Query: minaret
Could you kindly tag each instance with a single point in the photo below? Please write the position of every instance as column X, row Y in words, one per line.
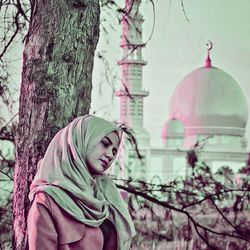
column 131, row 93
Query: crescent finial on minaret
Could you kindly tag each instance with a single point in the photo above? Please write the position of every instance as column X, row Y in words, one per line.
column 208, row 59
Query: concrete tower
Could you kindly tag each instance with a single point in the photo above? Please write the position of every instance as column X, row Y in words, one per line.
column 131, row 93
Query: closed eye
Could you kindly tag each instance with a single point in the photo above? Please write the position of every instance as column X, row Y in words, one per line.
column 105, row 144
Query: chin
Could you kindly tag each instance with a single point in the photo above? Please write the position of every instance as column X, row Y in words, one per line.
column 99, row 170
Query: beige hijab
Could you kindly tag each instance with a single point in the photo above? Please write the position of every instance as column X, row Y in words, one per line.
column 63, row 174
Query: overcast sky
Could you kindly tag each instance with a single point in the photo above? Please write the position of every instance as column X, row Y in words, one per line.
column 176, row 48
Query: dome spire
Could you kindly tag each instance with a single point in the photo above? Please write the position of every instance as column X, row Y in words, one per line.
column 208, row 60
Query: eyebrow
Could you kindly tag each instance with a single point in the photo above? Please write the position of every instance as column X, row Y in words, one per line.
column 111, row 143
column 108, row 140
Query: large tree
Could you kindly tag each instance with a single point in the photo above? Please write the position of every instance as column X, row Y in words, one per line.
column 55, row 88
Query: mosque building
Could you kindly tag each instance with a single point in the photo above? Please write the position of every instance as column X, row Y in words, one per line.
column 208, row 106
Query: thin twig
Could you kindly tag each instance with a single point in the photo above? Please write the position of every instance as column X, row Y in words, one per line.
column 184, row 11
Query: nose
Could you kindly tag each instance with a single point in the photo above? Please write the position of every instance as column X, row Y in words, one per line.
column 109, row 154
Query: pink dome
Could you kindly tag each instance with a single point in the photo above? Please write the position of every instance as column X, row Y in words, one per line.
column 209, row 101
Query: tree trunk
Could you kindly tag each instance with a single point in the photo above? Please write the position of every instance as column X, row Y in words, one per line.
column 56, row 87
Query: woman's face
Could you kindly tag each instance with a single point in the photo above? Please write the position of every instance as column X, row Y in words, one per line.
column 103, row 154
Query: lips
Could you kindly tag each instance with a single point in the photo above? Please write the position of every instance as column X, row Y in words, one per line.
column 105, row 163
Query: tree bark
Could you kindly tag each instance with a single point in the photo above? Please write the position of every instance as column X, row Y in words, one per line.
column 56, row 87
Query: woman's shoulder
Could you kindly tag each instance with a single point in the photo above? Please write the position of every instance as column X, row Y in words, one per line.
column 45, row 214
column 68, row 228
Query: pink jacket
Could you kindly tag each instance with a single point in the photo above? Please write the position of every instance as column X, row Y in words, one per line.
column 50, row 228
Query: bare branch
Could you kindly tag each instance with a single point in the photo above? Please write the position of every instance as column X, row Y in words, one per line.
column 12, row 37
column 184, row 11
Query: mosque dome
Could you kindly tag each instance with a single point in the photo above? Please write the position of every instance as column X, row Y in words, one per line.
column 209, row 101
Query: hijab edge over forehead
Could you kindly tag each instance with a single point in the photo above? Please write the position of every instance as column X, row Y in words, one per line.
column 98, row 132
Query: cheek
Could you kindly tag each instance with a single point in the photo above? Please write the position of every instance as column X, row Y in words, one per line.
column 96, row 153
column 88, row 160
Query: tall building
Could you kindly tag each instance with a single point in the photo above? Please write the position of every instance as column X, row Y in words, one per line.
column 131, row 93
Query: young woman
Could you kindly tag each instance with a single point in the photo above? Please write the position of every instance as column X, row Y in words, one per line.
column 74, row 205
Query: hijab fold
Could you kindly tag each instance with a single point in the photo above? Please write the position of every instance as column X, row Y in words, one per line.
column 63, row 175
